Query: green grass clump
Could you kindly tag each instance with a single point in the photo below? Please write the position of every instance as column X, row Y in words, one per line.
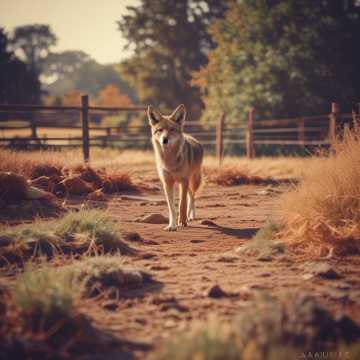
column 268, row 231
column 45, row 296
column 86, row 231
column 263, row 244
column 96, row 228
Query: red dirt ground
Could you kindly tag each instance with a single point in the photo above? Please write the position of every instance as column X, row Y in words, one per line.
column 187, row 263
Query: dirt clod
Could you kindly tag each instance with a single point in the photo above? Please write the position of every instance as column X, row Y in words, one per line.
column 216, row 292
column 153, row 219
column 322, row 270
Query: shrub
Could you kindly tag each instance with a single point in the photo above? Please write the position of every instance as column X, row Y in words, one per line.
column 322, row 214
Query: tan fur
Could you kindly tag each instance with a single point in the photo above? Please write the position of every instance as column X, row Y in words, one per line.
column 178, row 161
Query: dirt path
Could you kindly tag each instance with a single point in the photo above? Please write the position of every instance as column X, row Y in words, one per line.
column 187, row 263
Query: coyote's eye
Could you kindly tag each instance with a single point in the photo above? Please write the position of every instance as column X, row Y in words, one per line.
column 159, row 130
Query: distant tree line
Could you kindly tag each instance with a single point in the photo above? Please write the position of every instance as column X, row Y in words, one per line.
column 284, row 57
column 31, row 73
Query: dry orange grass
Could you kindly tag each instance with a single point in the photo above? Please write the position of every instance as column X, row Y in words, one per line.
column 322, row 215
column 231, row 176
column 64, row 167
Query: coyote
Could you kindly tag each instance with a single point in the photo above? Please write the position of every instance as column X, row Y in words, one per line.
column 178, row 159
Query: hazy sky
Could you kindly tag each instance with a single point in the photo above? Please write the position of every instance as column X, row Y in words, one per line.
column 88, row 25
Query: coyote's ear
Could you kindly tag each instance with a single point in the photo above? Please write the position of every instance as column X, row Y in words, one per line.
column 153, row 116
column 179, row 114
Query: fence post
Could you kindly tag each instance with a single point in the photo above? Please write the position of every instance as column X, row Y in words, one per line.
column 301, row 131
column 250, row 150
column 220, row 138
column 33, row 128
column 85, row 126
column 335, row 110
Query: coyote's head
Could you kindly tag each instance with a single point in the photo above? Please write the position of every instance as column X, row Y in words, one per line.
column 167, row 130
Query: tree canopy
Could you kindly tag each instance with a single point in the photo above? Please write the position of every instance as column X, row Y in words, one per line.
column 32, row 43
column 286, row 58
column 170, row 41
column 17, row 83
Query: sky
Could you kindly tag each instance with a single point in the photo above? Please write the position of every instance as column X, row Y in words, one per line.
column 87, row 25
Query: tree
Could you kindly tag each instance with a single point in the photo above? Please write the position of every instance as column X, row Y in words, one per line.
column 32, row 43
column 17, row 83
column 64, row 64
column 111, row 95
column 170, row 41
column 70, row 70
column 286, row 58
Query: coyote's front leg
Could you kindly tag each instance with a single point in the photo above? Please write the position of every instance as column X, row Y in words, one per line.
column 170, row 199
column 184, row 187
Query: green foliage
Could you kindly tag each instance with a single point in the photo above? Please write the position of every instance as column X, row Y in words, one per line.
column 268, row 231
column 69, row 70
column 45, row 296
column 17, row 83
column 34, row 43
column 77, row 232
column 93, row 225
column 170, row 41
column 286, row 58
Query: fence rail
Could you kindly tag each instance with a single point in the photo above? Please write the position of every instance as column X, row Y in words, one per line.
column 302, row 131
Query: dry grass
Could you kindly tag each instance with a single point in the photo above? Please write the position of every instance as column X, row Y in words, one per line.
column 278, row 168
column 64, row 173
column 49, row 132
column 138, row 162
column 267, row 329
column 322, row 214
column 230, row 176
column 109, row 160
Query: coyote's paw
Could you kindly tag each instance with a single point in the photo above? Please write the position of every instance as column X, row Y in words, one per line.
column 170, row 228
column 182, row 223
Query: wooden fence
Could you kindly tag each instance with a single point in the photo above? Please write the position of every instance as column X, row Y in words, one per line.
column 301, row 131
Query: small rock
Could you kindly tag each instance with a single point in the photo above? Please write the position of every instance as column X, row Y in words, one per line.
column 265, row 274
column 74, row 185
column 159, row 267
column 207, row 222
column 132, row 236
column 196, row 241
column 153, row 219
column 216, row 292
column 44, row 183
column 264, row 257
column 227, row 258
column 110, row 305
column 322, row 270
column 97, row 195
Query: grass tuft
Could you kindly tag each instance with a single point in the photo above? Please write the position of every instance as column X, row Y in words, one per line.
column 231, row 176
column 107, row 274
column 268, row 329
column 44, row 297
column 86, row 231
column 263, row 244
